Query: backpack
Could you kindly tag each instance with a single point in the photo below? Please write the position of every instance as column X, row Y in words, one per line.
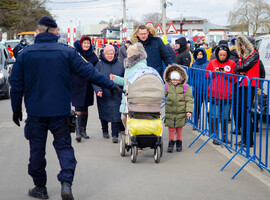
column 184, row 89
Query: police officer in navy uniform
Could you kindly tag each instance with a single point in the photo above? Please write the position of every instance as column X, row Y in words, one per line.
column 42, row 75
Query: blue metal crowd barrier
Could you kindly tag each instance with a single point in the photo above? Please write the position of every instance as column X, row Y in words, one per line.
column 235, row 108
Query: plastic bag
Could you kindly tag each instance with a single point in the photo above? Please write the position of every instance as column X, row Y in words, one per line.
column 145, row 126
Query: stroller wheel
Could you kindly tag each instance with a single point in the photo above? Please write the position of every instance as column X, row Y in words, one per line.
column 161, row 148
column 157, row 154
column 122, row 145
column 134, row 154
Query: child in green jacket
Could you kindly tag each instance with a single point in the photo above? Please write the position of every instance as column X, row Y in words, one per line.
column 179, row 104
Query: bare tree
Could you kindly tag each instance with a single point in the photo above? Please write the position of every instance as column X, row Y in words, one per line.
column 250, row 15
column 155, row 18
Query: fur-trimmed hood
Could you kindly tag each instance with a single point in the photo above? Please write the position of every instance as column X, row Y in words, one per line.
column 178, row 68
column 134, row 38
column 135, row 53
column 249, row 49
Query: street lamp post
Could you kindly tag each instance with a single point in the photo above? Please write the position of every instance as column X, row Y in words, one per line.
column 182, row 22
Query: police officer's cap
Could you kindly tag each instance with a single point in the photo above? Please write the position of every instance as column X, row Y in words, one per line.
column 47, row 21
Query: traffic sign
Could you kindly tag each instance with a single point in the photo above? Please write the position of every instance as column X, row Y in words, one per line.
column 171, row 29
column 159, row 30
column 149, row 23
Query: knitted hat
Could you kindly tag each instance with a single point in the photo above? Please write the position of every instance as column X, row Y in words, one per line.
column 47, row 21
column 224, row 42
column 175, row 76
column 108, row 48
column 232, row 42
column 84, row 38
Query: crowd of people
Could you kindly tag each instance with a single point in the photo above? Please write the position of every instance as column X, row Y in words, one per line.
column 47, row 69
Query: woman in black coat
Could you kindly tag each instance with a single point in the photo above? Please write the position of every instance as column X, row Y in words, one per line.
column 108, row 103
column 82, row 90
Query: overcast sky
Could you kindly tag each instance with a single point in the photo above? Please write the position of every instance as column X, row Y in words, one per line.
column 93, row 11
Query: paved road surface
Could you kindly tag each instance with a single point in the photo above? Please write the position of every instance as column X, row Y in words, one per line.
column 102, row 174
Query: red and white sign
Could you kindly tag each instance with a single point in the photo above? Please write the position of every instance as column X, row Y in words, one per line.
column 171, row 29
column 159, row 30
column 149, row 23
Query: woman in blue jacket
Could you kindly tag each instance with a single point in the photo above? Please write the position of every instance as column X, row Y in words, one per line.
column 108, row 102
column 199, row 84
column 82, row 90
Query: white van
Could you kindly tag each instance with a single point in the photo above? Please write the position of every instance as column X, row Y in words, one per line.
column 263, row 47
column 12, row 43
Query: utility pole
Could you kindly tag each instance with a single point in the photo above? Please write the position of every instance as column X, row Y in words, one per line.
column 164, row 5
column 124, row 12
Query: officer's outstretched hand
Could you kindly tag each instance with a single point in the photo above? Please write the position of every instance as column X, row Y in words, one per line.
column 117, row 89
column 17, row 117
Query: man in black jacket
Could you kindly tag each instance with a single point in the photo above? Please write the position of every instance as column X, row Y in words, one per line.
column 183, row 57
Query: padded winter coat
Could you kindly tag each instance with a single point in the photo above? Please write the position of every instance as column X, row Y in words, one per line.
column 108, row 104
column 178, row 104
column 82, row 93
column 220, row 82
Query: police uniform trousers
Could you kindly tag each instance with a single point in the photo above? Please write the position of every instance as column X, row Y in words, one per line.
column 36, row 131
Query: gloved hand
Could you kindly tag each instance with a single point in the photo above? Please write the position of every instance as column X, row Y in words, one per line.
column 117, row 89
column 17, row 117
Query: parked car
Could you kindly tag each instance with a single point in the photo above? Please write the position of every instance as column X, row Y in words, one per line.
column 6, row 64
column 12, row 43
column 263, row 47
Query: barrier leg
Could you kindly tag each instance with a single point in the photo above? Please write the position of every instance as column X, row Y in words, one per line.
column 212, row 136
column 202, row 133
column 231, row 159
column 226, row 148
column 257, row 163
column 252, row 157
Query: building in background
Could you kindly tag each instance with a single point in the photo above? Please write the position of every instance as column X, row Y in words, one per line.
column 200, row 27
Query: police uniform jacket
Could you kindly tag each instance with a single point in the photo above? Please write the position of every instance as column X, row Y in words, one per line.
column 42, row 74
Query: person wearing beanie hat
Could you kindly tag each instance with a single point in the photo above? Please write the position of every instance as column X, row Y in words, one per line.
column 108, row 104
column 221, row 42
column 175, row 76
column 108, row 48
column 41, row 76
column 47, row 21
column 179, row 104
column 82, row 93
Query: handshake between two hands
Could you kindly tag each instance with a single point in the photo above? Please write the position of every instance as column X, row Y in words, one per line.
column 116, row 88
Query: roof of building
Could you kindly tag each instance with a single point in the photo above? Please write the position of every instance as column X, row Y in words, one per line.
column 197, row 26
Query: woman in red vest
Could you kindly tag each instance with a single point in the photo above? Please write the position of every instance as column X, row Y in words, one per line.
column 248, row 65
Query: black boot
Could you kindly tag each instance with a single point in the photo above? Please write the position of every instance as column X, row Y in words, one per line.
column 78, row 128
column 224, row 133
column 83, row 129
column 38, row 192
column 216, row 129
column 178, row 145
column 171, row 146
column 66, row 192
